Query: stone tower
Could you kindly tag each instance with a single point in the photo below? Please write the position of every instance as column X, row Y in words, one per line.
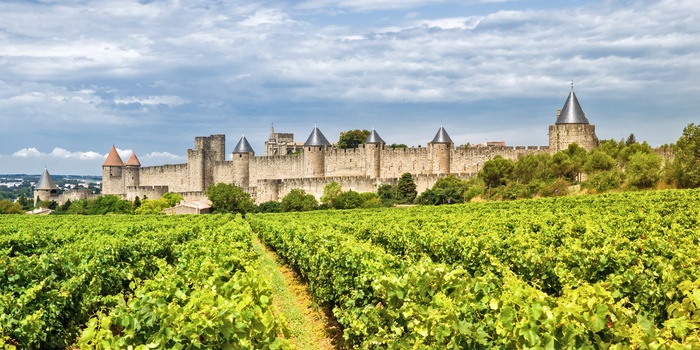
column 373, row 148
column 242, row 154
column 130, row 171
column 45, row 188
column 112, row 179
column 315, row 154
column 207, row 152
column 440, row 150
column 572, row 126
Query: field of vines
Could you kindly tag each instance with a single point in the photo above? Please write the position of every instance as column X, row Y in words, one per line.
column 615, row 271
column 119, row 282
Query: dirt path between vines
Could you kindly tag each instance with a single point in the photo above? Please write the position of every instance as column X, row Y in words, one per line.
column 311, row 326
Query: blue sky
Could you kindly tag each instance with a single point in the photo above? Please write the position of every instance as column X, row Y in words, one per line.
column 77, row 76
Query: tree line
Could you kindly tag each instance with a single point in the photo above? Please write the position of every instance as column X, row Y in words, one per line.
column 624, row 165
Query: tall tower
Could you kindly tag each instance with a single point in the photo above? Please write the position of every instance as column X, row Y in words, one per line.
column 315, row 154
column 131, row 171
column 241, row 162
column 373, row 148
column 45, row 188
column 112, row 179
column 572, row 126
column 440, row 150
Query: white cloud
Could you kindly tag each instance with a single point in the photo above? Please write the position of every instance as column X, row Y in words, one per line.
column 265, row 17
column 57, row 152
column 163, row 156
column 28, row 152
column 366, row 5
column 152, row 100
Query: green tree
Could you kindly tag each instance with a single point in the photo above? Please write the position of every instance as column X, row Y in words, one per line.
column 298, row 200
column 398, row 145
column 687, row 158
column 371, row 200
column 108, row 204
column 63, row 208
column 137, row 202
column 331, row 191
column 80, row 207
column 152, row 206
column 52, row 204
column 24, row 202
column 353, row 138
column 577, row 156
column 406, row 189
column 643, row 170
column 387, row 194
column 348, row 200
column 446, row 190
column 496, row 171
column 597, row 161
column 173, row 199
column 526, row 168
column 229, row 198
column 605, row 180
column 611, row 148
column 630, row 140
column 270, row 207
column 9, row 207
column 561, row 166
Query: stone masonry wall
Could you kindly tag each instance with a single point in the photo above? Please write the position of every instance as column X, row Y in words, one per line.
column 175, row 176
column 346, row 162
column 275, row 167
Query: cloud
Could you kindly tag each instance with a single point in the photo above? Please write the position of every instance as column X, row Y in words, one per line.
column 152, row 100
column 88, row 74
column 28, row 152
column 163, row 156
column 33, row 152
column 366, row 5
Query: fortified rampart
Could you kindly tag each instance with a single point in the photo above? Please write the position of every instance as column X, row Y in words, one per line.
column 318, row 163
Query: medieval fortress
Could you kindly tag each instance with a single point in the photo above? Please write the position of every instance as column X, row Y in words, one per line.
column 310, row 166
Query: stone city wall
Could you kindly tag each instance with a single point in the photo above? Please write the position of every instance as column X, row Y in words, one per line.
column 346, row 162
column 397, row 161
column 174, row 176
column 472, row 159
column 276, row 167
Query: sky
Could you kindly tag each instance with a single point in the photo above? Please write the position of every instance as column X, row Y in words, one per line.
column 78, row 76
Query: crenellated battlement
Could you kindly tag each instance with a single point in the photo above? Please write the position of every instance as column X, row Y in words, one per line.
column 360, row 169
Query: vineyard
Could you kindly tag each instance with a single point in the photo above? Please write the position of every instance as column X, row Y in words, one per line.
column 611, row 271
column 119, row 282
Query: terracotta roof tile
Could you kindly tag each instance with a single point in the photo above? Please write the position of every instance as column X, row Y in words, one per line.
column 113, row 158
column 133, row 160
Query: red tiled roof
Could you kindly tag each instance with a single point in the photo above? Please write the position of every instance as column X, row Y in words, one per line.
column 133, row 161
column 113, row 158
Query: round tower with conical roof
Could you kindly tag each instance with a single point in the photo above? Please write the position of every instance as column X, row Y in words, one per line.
column 241, row 156
column 314, row 154
column 572, row 126
column 440, row 150
column 45, row 188
column 373, row 148
column 130, row 172
column 112, row 179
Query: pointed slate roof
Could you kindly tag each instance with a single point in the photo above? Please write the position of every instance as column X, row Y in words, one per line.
column 113, row 158
column 374, row 137
column 45, row 182
column 243, row 146
column 572, row 113
column 316, row 139
column 441, row 137
column 133, row 160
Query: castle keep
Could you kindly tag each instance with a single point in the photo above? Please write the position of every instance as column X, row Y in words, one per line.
column 315, row 163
